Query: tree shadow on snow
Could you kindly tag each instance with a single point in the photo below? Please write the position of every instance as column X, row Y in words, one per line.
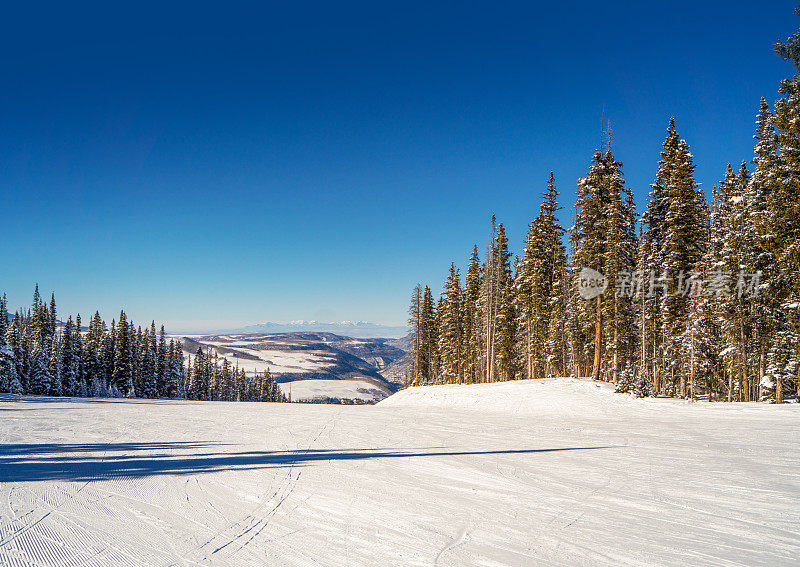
column 99, row 461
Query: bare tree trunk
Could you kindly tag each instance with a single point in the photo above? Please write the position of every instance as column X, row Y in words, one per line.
column 745, row 378
column 691, row 368
column 644, row 335
column 615, row 370
column 530, row 356
column 598, row 339
column 683, row 385
column 730, row 387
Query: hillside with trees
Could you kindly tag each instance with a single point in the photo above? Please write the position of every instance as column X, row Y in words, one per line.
column 701, row 300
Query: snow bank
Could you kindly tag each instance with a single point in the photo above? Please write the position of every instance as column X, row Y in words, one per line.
column 563, row 396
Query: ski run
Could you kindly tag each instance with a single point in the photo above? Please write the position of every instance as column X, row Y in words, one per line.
column 532, row 472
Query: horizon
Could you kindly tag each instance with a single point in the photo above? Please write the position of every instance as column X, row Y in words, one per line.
column 277, row 164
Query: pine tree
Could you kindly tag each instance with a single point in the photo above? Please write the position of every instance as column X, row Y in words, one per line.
column 52, row 319
column 123, row 363
column 734, row 256
column 557, row 283
column 789, row 50
column 590, row 251
column 699, row 345
column 539, row 290
column 429, row 339
column 199, row 385
column 6, row 351
column 39, row 381
column 451, row 329
column 3, row 318
column 620, row 258
column 69, row 359
column 472, row 320
column 415, row 324
column 531, row 292
column 684, row 236
column 148, row 366
column 778, row 172
column 161, row 362
column 491, row 292
column 764, row 307
column 173, row 388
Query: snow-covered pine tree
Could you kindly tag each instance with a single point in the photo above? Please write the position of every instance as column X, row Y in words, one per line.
column 92, row 348
column 490, row 303
column 77, row 356
column 734, row 241
column 473, row 368
column 123, row 363
column 557, row 283
column 429, row 340
column 69, row 359
column 436, row 364
column 699, row 344
column 39, row 380
column 619, row 332
column 531, row 294
column 52, row 318
column 451, row 331
column 499, row 296
column 684, row 239
column 162, row 368
column 575, row 314
column 175, row 387
column 763, row 305
column 415, row 324
column 590, row 235
column 54, row 367
column 148, row 379
column 21, row 353
column 199, row 376
column 6, row 352
column 778, row 154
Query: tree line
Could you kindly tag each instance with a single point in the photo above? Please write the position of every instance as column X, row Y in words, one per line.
column 688, row 299
column 43, row 356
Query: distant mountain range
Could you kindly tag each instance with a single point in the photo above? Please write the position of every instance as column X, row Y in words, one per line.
column 355, row 329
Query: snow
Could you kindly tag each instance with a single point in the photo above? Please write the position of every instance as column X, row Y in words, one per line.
column 276, row 361
column 307, row 390
column 548, row 472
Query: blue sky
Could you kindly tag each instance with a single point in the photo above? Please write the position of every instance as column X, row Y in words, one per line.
column 214, row 164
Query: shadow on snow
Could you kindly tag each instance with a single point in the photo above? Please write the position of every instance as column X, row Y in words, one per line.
column 98, row 461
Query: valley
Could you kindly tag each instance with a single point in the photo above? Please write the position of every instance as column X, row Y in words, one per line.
column 312, row 366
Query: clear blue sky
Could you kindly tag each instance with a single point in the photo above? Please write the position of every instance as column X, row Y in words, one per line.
column 215, row 163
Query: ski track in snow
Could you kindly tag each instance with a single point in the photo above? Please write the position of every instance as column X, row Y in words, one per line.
column 547, row 472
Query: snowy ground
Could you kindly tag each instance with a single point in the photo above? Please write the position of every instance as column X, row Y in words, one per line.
column 551, row 472
column 361, row 391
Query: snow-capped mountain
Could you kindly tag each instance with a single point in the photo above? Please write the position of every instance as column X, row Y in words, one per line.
column 357, row 329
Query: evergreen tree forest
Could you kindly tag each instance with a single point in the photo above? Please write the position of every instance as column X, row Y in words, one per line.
column 702, row 299
column 44, row 356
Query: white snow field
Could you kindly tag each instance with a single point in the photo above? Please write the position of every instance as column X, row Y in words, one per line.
column 352, row 390
column 547, row 472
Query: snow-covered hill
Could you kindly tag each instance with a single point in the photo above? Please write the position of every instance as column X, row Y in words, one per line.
column 309, row 366
column 549, row 472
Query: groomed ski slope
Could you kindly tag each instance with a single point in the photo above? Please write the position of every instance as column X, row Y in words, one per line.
column 549, row 472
